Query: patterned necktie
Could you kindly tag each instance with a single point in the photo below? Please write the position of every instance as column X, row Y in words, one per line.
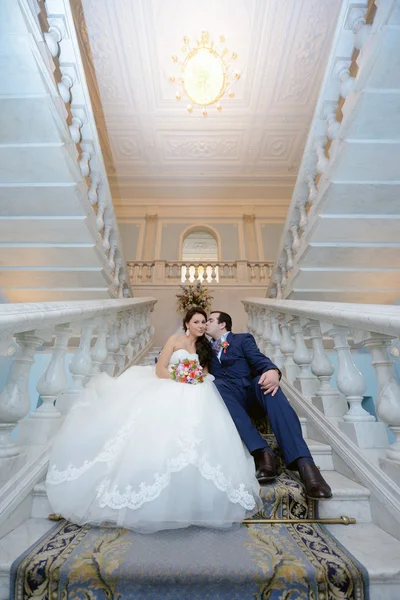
column 216, row 346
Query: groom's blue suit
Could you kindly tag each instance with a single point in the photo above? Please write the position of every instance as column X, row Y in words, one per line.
column 236, row 377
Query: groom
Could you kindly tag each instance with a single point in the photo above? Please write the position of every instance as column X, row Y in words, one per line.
column 243, row 375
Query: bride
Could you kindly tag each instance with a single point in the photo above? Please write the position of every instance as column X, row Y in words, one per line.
column 145, row 452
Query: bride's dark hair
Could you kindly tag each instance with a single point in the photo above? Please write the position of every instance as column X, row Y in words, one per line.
column 202, row 344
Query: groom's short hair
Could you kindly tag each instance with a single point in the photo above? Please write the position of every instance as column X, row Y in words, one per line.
column 224, row 318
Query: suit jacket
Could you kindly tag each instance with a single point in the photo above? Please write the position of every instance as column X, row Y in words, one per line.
column 241, row 362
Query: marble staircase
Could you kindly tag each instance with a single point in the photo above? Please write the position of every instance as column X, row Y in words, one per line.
column 377, row 550
column 340, row 241
column 59, row 237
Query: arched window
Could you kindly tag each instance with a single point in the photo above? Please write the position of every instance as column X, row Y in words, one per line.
column 199, row 246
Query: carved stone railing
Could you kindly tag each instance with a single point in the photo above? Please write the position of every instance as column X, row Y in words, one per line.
column 225, row 273
column 280, row 328
column 57, row 52
column 103, row 335
column 356, row 23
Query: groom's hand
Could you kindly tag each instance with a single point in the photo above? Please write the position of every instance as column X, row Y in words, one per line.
column 269, row 382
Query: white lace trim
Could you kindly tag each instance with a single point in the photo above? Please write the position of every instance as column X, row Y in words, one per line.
column 129, row 498
column 115, row 499
column 107, row 455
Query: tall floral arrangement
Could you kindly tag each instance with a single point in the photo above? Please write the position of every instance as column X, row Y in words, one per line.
column 194, row 295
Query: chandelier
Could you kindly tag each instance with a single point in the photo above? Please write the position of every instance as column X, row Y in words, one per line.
column 206, row 73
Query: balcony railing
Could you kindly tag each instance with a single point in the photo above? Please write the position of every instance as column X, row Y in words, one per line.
column 225, row 273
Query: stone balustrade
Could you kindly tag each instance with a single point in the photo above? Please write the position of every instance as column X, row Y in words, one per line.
column 53, row 32
column 102, row 335
column 349, row 50
column 162, row 272
column 299, row 336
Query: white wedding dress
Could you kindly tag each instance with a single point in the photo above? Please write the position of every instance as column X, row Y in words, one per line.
column 148, row 454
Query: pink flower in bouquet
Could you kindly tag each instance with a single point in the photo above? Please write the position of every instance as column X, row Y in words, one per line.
column 187, row 371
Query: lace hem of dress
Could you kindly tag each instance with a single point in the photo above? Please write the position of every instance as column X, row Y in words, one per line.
column 114, row 499
column 107, row 455
column 129, row 498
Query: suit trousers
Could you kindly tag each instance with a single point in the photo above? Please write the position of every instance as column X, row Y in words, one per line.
column 284, row 421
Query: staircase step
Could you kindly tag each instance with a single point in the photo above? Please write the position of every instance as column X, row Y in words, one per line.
column 378, row 551
column 14, row 544
column 349, row 499
column 322, row 454
column 375, row 549
column 40, row 506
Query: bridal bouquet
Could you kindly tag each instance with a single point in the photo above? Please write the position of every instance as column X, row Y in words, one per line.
column 187, row 371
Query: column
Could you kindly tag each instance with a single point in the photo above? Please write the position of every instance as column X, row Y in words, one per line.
column 150, row 236
column 250, row 236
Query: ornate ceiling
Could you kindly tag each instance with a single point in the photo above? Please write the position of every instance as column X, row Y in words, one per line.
column 153, row 148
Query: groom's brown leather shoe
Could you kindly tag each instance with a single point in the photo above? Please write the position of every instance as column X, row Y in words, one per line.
column 267, row 466
column 314, row 484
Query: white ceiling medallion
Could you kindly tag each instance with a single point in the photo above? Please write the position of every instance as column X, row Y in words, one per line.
column 206, row 72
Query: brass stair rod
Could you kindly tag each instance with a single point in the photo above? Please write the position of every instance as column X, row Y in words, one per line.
column 333, row 521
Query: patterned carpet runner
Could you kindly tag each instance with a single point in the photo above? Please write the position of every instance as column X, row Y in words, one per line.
column 256, row 562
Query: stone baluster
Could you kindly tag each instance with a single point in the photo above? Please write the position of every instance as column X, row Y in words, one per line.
column 290, row 369
column 84, row 163
column 288, row 250
column 53, row 382
column 15, row 401
column 80, row 368
column 312, row 190
column 120, row 357
column 122, row 281
column 301, row 206
column 118, row 265
column 54, row 35
column 75, row 129
column 94, row 184
column 268, row 348
column 259, row 326
column 360, row 28
column 295, row 236
column 346, row 80
column 387, row 402
column 132, row 334
column 357, row 424
column 107, row 232
column 262, row 269
column 278, row 279
column 282, row 266
column 101, row 207
column 99, row 350
column 196, row 272
column 112, row 348
column 113, row 249
column 252, row 272
column 64, row 87
column 326, row 399
column 305, row 382
column 333, row 123
column 214, row 269
column 323, row 161
column 277, row 356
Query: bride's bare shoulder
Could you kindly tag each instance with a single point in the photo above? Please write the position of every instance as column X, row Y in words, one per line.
column 174, row 340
